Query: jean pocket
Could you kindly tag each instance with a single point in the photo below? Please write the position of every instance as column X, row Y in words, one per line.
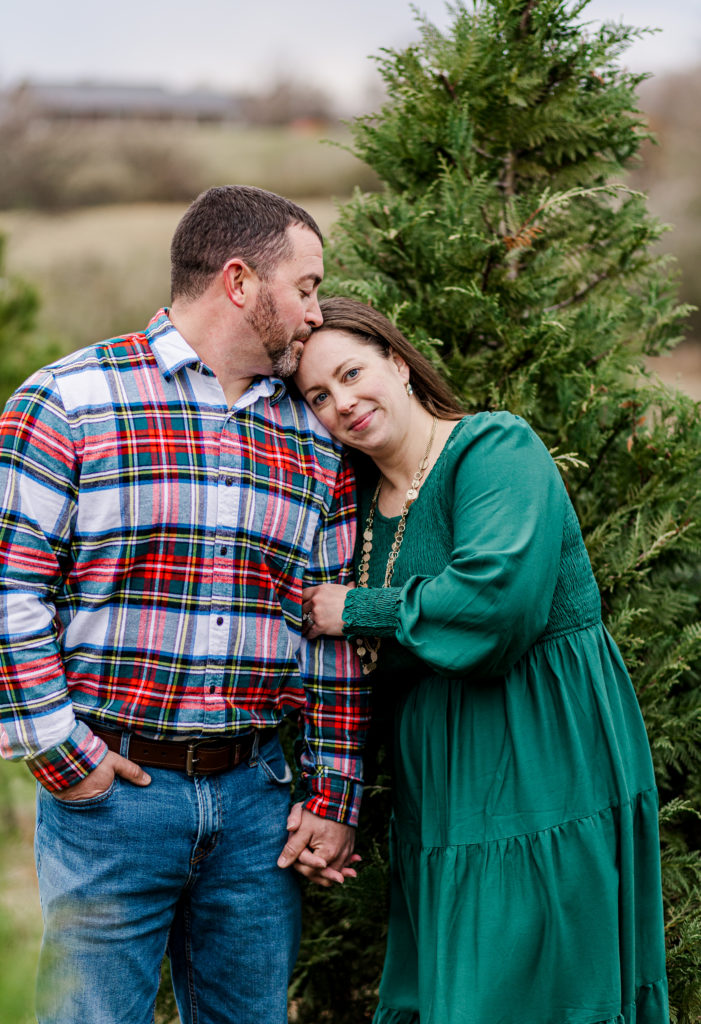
column 91, row 801
column 274, row 766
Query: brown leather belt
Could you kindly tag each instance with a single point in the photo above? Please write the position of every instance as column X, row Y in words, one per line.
column 195, row 757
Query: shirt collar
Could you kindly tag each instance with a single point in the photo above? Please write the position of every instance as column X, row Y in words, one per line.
column 172, row 354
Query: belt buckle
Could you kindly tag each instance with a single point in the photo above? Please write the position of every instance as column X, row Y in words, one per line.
column 191, row 759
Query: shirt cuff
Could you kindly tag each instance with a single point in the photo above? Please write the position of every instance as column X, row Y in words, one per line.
column 371, row 611
column 333, row 796
column 70, row 762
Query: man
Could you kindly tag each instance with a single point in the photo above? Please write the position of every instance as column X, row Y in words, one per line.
column 164, row 500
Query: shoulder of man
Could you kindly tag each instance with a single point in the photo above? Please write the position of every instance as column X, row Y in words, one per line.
column 99, row 353
column 73, row 373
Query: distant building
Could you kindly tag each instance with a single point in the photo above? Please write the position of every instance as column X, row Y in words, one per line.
column 94, row 101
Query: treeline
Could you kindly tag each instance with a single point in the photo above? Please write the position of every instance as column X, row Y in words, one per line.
column 50, row 162
column 54, row 165
column 62, row 148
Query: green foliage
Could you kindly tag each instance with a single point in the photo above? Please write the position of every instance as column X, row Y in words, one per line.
column 348, row 944
column 506, row 247
column 19, row 911
column 21, row 352
column 345, row 928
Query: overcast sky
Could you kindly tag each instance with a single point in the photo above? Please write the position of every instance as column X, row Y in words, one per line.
column 230, row 45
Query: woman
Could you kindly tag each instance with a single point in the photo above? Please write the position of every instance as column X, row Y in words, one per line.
column 524, row 845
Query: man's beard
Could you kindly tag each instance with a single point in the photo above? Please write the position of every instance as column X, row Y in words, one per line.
column 264, row 318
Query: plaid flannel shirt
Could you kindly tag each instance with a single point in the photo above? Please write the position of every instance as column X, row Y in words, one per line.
column 153, row 548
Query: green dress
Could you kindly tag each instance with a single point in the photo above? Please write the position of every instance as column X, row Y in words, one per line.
column 524, row 842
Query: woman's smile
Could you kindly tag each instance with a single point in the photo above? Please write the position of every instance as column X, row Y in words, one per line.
column 362, row 422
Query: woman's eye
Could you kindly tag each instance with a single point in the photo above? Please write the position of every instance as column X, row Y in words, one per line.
column 351, row 374
column 320, row 398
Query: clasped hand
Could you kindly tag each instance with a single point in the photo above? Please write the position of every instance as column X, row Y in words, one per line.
column 325, row 605
column 319, row 848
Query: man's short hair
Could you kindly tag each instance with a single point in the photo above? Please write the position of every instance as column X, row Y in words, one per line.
column 232, row 221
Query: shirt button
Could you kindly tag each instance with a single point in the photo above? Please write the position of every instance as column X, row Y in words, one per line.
column 219, row 620
column 228, row 481
column 224, row 550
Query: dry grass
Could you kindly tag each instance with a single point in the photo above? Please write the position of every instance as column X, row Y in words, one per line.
column 105, row 270
column 299, row 161
column 681, row 369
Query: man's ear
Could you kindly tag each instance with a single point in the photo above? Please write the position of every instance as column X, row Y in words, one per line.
column 237, row 277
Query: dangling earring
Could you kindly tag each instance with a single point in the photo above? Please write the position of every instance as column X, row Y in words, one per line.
column 409, row 389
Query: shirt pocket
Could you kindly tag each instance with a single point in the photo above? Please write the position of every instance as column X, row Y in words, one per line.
column 291, row 505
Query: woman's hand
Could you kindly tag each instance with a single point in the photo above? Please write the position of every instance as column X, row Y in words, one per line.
column 322, row 610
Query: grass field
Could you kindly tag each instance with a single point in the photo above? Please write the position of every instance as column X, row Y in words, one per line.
column 104, row 270
column 64, row 165
column 98, row 252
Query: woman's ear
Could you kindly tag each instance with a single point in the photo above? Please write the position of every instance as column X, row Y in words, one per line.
column 402, row 366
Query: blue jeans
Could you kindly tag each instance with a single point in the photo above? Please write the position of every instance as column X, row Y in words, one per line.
column 187, row 864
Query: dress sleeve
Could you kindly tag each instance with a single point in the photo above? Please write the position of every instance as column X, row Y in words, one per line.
column 492, row 600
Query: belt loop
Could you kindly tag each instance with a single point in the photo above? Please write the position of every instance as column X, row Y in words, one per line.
column 124, row 736
column 124, row 741
column 253, row 759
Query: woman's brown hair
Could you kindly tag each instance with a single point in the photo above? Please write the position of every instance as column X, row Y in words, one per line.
column 372, row 328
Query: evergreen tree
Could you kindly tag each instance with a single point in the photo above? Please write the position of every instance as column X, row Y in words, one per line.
column 505, row 246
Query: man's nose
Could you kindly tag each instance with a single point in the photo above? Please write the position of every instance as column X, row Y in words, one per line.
column 313, row 315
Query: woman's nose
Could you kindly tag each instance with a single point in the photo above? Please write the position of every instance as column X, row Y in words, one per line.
column 345, row 401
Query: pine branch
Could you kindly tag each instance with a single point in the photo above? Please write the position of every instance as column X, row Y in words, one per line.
column 524, row 23
column 580, row 295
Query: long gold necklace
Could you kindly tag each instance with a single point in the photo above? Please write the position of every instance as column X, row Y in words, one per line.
column 368, row 648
